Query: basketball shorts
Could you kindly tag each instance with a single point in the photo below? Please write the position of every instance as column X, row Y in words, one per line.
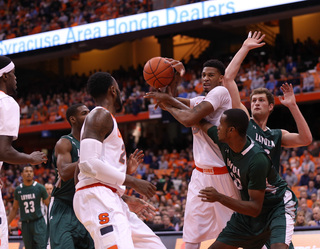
column 66, row 231
column 276, row 226
column 205, row 220
column 34, row 234
column 3, row 226
column 110, row 222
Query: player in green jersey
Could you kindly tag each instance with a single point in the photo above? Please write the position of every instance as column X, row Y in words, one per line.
column 27, row 198
column 267, row 208
column 65, row 230
column 262, row 104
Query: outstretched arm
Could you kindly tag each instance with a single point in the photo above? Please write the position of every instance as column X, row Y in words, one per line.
column 181, row 112
column 10, row 155
column 232, row 70
column 252, row 207
column 304, row 136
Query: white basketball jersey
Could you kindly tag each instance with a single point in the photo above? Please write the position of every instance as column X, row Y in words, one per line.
column 206, row 153
column 9, row 117
column 113, row 152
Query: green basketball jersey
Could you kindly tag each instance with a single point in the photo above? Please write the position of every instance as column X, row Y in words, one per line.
column 29, row 198
column 252, row 169
column 270, row 141
column 67, row 189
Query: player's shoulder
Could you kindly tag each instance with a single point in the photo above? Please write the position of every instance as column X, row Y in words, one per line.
column 219, row 91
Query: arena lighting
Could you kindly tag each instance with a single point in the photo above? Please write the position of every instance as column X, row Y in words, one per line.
column 142, row 21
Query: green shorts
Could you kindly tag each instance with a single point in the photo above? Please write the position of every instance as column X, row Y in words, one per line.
column 65, row 229
column 34, row 234
column 274, row 226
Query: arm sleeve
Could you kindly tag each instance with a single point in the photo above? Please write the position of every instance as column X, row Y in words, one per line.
column 259, row 168
column 218, row 97
column 213, row 134
column 10, row 117
column 92, row 166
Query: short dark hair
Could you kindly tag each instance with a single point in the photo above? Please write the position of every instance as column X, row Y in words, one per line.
column 99, row 84
column 262, row 90
column 238, row 119
column 216, row 64
column 27, row 166
column 72, row 111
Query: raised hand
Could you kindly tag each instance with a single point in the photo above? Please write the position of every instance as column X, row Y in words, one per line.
column 254, row 40
column 134, row 160
column 288, row 97
column 177, row 65
column 38, row 157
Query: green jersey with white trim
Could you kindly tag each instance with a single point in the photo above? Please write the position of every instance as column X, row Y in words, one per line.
column 270, row 141
column 252, row 169
column 29, row 198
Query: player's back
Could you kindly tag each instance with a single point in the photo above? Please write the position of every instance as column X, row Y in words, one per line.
column 113, row 153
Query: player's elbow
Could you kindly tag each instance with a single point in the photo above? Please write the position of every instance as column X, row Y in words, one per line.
column 255, row 212
column 307, row 140
column 188, row 121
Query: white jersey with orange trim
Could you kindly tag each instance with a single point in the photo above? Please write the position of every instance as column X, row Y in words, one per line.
column 206, row 153
column 113, row 152
column 9, row 117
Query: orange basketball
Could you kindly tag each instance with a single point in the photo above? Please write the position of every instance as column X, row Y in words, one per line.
column 158, row 72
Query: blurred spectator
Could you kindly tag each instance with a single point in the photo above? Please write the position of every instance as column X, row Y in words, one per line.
column 304, row 179
column 311, row 189
column 300, row 219
column 303, row 206
column 307, row 164
column 271, row 84
column 163, row 163
column 308, row 82
column 168, row 226
column 257, row 81
column 291, row 178
column 316, row 217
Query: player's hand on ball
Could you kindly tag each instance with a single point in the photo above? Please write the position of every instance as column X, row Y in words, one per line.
column 134, row 160
column 177, row 65
column 209, row 194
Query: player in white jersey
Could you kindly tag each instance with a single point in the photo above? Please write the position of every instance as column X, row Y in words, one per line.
column 99, row 202
column 9, row 128
column 203, row 221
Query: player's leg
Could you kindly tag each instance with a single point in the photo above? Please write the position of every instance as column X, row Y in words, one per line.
column 27, row 235
column 142, row 236
column 282, row 222
column 39, row 233
column 80, row 235
column 3, row 225
column 189, row 245
column 60, row 226
column 100, row 211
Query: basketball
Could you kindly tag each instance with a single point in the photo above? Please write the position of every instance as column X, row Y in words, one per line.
column 158, row 72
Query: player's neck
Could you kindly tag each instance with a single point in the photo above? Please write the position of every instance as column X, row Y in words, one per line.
column 262, row 122
column 237, row 144
column 27, row 183
column 76, row 133
column 107, row 104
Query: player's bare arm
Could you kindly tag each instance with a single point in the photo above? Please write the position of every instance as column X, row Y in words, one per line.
column 232, row 70
column 191, row 116
column 304, row 136
column 66, row 167
column 171, row 89
column 10, row 155
column 99, row 124
column 167, row 99
column 134, row 160
column 13, row 212
column 251, row 208
column 204, row 125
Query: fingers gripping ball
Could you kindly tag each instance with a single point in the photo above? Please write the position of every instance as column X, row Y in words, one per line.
column 158, row 72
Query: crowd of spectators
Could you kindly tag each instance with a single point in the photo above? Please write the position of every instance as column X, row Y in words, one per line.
column 21, row 18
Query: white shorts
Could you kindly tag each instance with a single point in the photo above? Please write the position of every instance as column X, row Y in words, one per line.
column 4, row 244
column 109, row 221
column 205, row 220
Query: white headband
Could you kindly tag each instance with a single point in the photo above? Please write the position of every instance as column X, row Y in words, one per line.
column 7, row 68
